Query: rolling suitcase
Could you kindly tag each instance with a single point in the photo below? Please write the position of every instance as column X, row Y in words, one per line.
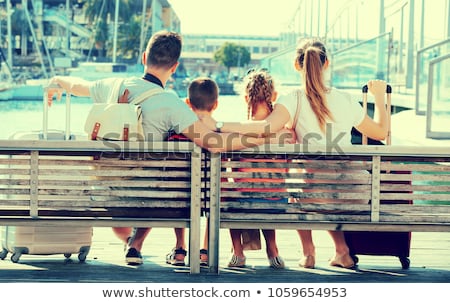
column 46, row 240
column 374, row 242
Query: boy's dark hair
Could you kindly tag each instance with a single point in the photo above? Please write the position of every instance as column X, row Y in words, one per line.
column 163, row 49
column 203, row 93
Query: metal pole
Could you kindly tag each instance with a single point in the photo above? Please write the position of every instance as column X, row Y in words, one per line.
column 410, row 62
column 304, row 19
column 311, row 19
column 356, row 23
column 422, row 25
column 116, row 25
column 380, row 44
column 348, row 26
column 318, row 18
column 400, row 47
column 9, row 33
column 448, row 19
column 326, row 17
column 143, row 22
column 68, row 33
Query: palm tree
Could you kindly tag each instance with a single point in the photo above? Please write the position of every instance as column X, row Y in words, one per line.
column 129, row 38
column 100, row 15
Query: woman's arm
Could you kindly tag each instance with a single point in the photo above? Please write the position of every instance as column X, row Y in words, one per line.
column 271, row 125
column 378, row 127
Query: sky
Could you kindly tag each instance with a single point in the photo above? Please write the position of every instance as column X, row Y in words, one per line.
column 259, row 17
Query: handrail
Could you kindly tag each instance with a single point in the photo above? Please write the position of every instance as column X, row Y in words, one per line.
column 419, row 69
column 430, row 133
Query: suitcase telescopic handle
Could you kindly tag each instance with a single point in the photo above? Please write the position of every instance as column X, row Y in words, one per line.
column 45, row 113
column 365, row 89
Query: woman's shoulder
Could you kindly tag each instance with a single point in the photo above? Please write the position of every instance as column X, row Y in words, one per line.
column 289, row 93
column 338, row 94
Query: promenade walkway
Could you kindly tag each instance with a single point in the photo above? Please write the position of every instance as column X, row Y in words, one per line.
column 430, row 263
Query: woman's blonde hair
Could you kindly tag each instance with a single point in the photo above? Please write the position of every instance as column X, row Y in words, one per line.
column 260, row 89
column 311, row 58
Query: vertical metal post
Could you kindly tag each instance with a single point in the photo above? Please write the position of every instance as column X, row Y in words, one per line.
column 68, row 32
column 410, row 58
column 400, row 47
column 318, row 18
column 311, row 19
column 448, row 20
column 9, row 34
column 326, row 17
column 143, row 22
column 422, row 25
column 116, row 25
column 381, row 45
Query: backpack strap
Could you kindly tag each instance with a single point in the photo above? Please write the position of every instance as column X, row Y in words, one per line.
column 147, row 94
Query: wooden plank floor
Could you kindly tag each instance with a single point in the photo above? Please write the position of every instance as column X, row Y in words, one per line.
column 430, row 262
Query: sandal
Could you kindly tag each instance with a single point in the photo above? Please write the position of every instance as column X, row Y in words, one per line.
column 203, row 257
column 307, row 262
column 276, row 262
column 237, row 261
column 171, row 258
column 345, row 261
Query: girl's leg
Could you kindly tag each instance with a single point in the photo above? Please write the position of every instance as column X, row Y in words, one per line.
column 271, row 244
column 123, row 233
column 236, row 241
column 275, row 260
column 238, row 258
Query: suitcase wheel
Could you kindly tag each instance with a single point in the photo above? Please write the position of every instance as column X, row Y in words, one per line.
column 405, row 262
column 67, row 256
column 82, row 256
column 84, row 250
column 355, row 259
column 3, row 254
column 15, row 257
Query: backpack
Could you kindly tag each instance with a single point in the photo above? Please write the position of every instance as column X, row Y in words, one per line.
column 118, row 121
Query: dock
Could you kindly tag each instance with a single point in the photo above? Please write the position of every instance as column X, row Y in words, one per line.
column 429, row 256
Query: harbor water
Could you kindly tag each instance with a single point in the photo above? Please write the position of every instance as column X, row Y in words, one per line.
column 23, row 116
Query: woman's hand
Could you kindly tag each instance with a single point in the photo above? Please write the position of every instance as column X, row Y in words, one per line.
column 378, row 89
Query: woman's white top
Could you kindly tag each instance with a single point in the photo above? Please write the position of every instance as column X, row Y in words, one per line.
column 346, row 113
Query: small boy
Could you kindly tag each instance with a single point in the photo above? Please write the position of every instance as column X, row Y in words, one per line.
column 203, row 94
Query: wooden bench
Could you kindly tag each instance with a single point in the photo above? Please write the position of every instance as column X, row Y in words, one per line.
column 167, row 184
column 349, row 178
column 110, row 184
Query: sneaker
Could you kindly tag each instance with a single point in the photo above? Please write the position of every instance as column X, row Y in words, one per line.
column 203, row 257
column 130, row 239
column 133, row 257
column 171, row 258
column 237, row 261
column 276, row 263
